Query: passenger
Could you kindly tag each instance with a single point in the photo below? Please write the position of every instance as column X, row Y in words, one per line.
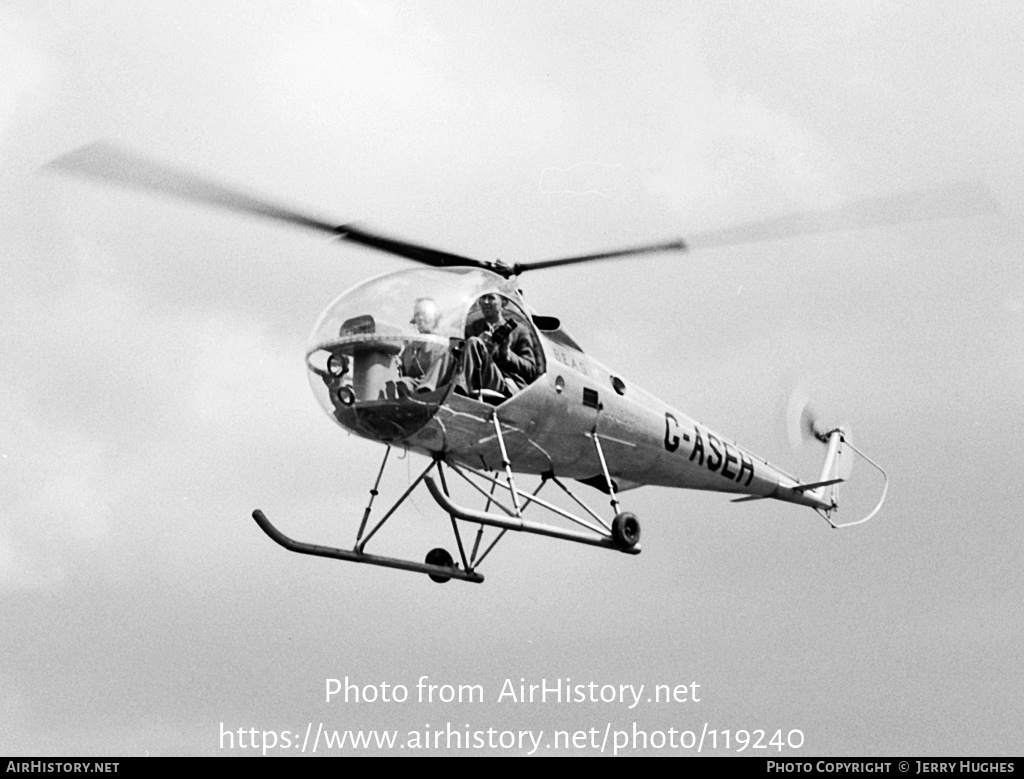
column 498, row 349
column 421, row 363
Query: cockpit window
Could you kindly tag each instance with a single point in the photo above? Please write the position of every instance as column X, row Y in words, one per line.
column 502, row 354
column 387, row 353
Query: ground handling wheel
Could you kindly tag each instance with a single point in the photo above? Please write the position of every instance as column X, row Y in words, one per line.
column 626, row 530
column 439, row 557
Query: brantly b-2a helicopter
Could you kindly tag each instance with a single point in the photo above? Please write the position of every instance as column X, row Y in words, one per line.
column 488, row 389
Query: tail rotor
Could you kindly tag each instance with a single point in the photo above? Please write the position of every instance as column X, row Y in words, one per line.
column 805, row 424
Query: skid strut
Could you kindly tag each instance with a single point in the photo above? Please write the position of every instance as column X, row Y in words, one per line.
column 622, row 535
column 525, row 525
column 439, row 566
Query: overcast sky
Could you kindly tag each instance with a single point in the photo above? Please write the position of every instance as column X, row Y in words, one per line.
column 152, row 389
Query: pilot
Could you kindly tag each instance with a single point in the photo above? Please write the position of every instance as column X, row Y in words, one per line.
column 498, row 350
column 421, row 363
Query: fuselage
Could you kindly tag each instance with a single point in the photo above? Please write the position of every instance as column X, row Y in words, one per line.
column 359, row 370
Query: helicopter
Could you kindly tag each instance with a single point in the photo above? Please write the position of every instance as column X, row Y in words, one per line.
column 562, row 416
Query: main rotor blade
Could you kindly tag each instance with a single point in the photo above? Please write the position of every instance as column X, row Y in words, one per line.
column 411, row 251
column 104, row 161
column 962, row 199
column 677, row 245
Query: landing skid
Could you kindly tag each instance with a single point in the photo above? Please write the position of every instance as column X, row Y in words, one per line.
column 512, row 522
column 439, row 573
column 621, row 535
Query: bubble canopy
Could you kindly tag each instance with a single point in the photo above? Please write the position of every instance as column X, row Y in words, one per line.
column 379, row 358
column 391, row 299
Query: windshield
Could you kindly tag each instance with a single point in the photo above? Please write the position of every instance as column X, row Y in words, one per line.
column 383, row 356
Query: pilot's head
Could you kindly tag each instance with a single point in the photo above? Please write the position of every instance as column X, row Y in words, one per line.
column 490, row 307
column 425, row 315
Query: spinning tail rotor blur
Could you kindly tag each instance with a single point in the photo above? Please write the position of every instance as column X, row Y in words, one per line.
column 805, row 424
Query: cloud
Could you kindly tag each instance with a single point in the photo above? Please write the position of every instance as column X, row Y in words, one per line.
column 26, row 74
column 738, row 158
column 21, row 570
